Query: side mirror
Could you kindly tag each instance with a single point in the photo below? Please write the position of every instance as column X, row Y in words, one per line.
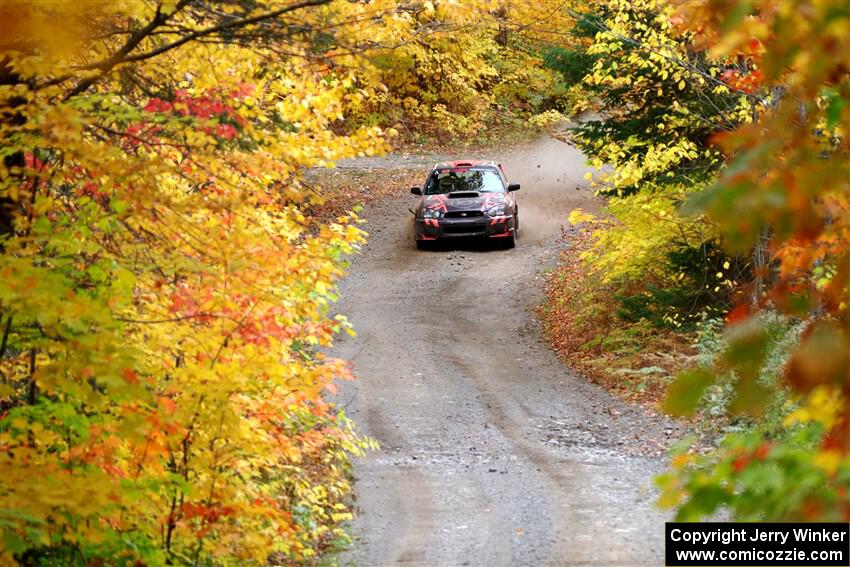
column 513, row 187
column 416, row 190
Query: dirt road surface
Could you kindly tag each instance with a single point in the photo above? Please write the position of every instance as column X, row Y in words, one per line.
column 492, row 452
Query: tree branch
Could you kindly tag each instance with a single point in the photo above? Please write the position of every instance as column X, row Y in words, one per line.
column 119, row 56
column 221, row 27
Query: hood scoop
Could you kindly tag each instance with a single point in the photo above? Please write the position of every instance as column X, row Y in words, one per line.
column 464, row 194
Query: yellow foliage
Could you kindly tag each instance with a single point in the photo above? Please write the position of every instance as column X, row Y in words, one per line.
column 823, row 404
column 163, row 296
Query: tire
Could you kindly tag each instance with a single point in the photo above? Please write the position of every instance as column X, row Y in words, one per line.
column 423, row 245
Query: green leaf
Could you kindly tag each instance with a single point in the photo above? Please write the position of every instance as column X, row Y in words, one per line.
column 685, row 392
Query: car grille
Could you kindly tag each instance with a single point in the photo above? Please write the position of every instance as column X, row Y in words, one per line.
column 463, row 214
column 464, row 229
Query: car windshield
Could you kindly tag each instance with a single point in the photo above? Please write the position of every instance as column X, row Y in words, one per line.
column 461, row 180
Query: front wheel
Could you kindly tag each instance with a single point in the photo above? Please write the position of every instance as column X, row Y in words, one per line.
column 423, row 245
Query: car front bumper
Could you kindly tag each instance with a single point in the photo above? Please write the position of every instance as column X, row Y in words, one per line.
column 489, row 227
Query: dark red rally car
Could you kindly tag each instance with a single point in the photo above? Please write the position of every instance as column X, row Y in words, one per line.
column 466, row 199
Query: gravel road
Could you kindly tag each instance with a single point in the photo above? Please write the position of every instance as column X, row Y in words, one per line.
column 492, row 452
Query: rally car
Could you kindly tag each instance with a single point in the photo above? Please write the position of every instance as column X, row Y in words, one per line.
column 466, row 199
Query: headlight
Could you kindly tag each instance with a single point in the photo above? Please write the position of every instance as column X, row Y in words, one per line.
column 497, row 211
column 431, row 214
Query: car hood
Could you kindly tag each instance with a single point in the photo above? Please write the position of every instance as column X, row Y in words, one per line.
column 479, row 202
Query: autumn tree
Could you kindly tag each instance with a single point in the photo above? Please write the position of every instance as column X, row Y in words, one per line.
column 787, row 182
column 723, row 127
column 162, row 295
column 660, row 100
column 471, row 68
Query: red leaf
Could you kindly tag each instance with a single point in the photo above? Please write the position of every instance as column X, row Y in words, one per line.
column 739, row 464
column 130, row 376
column 738, row 314
column 168, row 404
